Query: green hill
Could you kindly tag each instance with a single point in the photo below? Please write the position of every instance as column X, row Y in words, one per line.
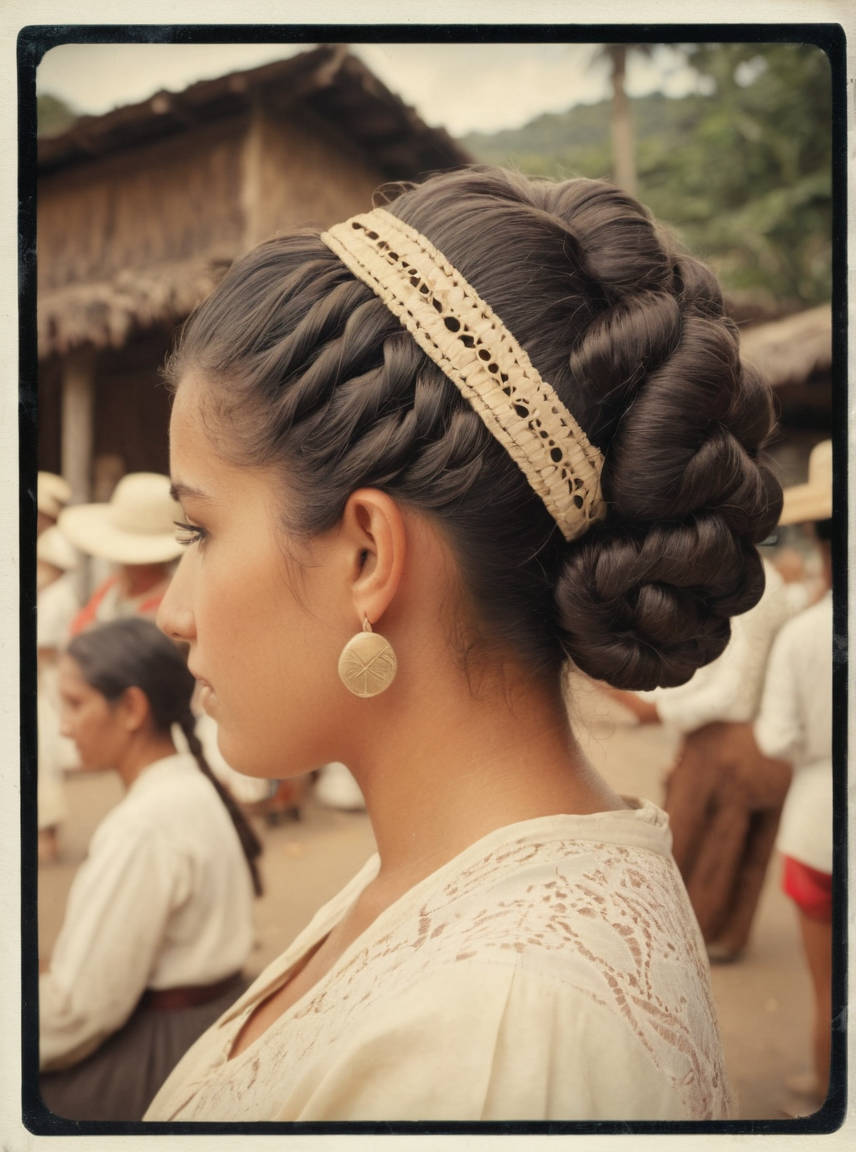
column 743, row 177
column 577, row 142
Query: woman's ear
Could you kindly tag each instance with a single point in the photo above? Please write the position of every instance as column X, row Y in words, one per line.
column 374, row 530
column 135, row 709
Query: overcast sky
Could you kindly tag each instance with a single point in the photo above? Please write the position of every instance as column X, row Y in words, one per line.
column 459, row 86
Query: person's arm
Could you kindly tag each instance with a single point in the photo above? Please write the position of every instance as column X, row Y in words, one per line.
column 117, row 909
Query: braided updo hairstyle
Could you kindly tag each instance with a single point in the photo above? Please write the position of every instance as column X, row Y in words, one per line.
column 306, row 368
column 133, row 652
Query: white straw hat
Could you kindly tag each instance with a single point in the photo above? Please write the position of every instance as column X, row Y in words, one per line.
column 52, row 547
column 136, row 526
column 52, row 493
column 812, row 501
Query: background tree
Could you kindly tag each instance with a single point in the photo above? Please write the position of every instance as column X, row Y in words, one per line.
column 53, row 115
column 742, row 173
column 621, row 126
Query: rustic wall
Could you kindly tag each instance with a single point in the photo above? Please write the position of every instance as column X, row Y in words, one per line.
column 301, row 171
column 131, row 417
column 165, row 200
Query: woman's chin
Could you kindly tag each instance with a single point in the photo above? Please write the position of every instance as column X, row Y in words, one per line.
column 244, row 761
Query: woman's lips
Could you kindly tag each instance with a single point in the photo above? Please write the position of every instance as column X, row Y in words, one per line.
column 206, row 695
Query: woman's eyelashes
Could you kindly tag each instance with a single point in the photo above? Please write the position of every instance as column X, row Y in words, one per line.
column 187, row 534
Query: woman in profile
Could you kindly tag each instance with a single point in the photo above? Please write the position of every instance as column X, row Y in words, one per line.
column 159, row 918
column 425, row 459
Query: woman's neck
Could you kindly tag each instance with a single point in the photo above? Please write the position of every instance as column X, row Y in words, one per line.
column 436, row 779
column 141, row 753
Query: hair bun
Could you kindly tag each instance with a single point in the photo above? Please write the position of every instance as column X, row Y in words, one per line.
column 646, row 609
column 645, row 598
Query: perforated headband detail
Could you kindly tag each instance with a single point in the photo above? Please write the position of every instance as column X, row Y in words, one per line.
column 465, row 338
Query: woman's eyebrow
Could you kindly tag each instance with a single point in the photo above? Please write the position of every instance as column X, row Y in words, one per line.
column 179, row 491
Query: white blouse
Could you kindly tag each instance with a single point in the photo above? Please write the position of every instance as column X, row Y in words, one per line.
column 163, row 899
column 795, row 724
column 552, row 970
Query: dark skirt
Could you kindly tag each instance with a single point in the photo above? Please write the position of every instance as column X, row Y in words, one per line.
column 119, row 1080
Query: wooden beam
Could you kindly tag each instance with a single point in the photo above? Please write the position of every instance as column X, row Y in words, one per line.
column 77, row 434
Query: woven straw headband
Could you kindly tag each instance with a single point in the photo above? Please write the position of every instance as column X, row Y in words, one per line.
column 460, row 332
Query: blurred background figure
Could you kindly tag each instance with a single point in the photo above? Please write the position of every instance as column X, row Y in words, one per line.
column 790, row 563
column 135, row 531
column 159, row 918
column 723, row 797
column 795, row 724
column 53, row 493
column 56, row 605
column 335, row 787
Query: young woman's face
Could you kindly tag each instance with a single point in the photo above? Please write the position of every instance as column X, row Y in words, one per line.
column 264, row 637
column 89, row 719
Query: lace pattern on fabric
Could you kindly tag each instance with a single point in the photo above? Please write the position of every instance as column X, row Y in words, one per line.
column 460, row 332
column 609, row 923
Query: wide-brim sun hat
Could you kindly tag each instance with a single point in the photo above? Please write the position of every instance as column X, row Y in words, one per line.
column 812, row 501
column 136, row 526
column 52, row 547
column 52, row 493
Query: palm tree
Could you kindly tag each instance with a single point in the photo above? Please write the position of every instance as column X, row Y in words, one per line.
column 623, row 147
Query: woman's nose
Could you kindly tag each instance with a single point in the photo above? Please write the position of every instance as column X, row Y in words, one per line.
column 175, row 615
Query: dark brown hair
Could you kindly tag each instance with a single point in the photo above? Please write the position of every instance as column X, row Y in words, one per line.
column 133, row 652
column 307, row 368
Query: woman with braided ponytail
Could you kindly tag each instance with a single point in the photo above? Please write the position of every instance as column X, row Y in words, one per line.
column 159, row 917
column 426, row 458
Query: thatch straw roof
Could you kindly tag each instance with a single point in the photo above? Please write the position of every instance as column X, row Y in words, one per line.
column 790, row 350
column 327, row 83
column 106, row 314
column 334, row 83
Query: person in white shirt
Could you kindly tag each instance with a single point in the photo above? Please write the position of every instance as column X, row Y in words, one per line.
column 56, row 605
column 795, row 724
column 159, row 917
column 415, row 482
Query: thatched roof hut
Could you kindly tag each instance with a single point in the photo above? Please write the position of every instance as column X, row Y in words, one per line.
column 792, row 350
column 794, row 354
column 142, row 209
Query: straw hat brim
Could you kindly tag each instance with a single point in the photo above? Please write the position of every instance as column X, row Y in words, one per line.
column 806, row 503
column 88, row 526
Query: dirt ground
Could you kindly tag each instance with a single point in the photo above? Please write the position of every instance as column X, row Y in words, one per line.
column 763, row 999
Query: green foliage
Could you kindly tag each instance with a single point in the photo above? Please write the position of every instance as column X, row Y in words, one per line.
column 53, row 115
column 743, row 176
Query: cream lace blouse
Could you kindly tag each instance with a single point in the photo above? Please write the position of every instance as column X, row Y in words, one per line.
column 552, row 970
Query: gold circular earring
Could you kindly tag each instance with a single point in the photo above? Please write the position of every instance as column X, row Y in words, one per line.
column 367, row 665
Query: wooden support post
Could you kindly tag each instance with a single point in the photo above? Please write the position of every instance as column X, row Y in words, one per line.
column 77, row 431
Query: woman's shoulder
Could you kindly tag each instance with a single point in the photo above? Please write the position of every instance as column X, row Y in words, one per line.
column 594, row 902
column 557, row 882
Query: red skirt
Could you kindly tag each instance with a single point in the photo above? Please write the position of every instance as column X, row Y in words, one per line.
column 809, row 889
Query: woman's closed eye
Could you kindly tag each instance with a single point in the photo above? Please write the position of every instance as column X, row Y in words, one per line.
column 187, row 534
